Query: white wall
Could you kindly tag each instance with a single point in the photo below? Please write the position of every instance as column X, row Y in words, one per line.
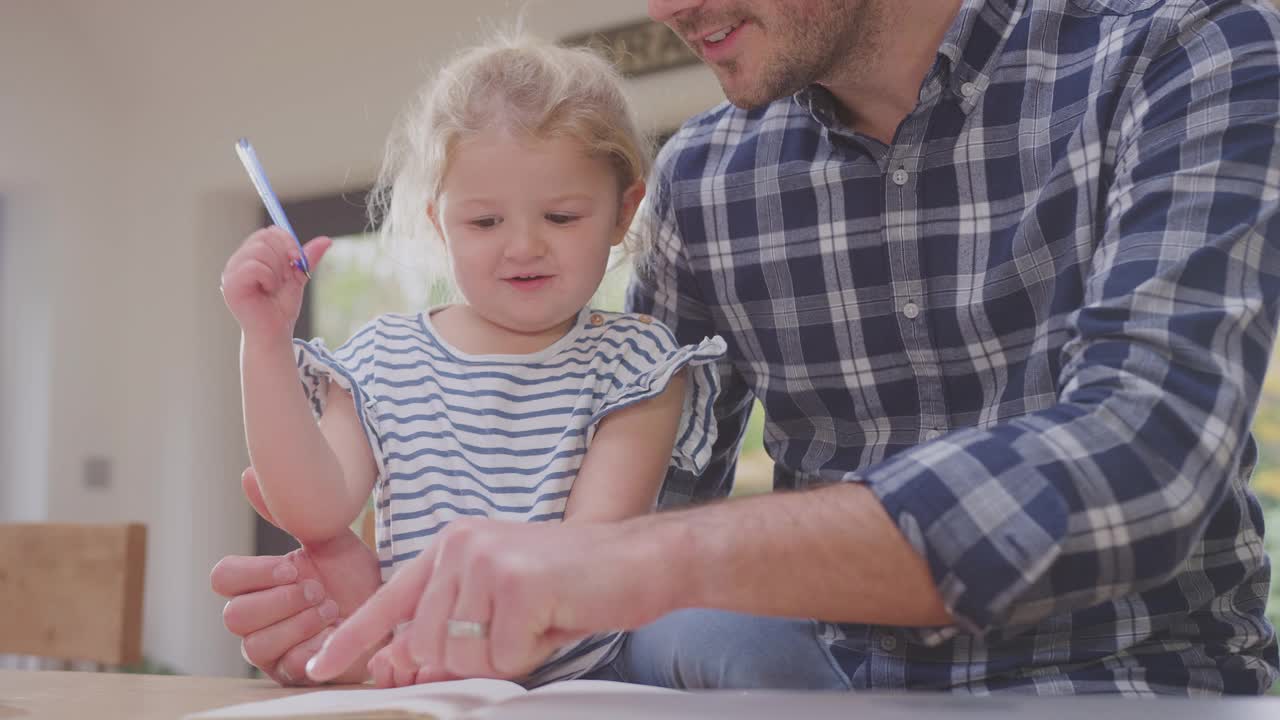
column 122, row 198
column 51, row 161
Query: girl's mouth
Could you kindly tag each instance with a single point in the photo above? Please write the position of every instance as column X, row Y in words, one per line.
column 528, row 282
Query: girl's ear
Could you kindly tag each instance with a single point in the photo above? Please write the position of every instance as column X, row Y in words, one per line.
column 434, row 216
column 631, row 198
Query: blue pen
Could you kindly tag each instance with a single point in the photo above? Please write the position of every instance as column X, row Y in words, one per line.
column 251, row 165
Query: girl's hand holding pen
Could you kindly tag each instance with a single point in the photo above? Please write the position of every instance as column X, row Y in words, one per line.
column 262, row 282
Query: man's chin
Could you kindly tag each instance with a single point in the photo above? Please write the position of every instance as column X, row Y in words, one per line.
column 746, row 98
column 745, row 103
column 750, row 98
column 749, row 101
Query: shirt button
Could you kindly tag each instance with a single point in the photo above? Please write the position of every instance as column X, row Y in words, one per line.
column 597, row 319
column 932, row 434
column 968, row 90
column 900, row 176
column 911, row 310
column 888, row 643
column 646, row 319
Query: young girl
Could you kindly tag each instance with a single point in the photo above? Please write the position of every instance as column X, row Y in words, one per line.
column 523, row 164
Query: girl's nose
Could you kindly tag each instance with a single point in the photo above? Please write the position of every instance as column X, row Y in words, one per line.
column 525, row 243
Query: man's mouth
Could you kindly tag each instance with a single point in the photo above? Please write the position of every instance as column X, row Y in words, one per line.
column 721, row 34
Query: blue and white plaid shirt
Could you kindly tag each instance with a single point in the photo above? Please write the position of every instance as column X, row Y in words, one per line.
column 1036, row 326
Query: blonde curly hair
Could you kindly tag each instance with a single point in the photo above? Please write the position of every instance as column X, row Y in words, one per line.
column 516, row 82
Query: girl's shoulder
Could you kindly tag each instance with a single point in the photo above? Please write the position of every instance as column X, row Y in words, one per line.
column 607, row 323
column 633, row 342
column 625, row 334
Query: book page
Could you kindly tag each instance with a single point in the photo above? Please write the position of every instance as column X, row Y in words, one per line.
column 586, row 699
column 433, row 701
column 593, row 687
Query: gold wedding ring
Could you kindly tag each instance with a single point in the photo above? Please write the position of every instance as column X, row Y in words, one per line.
column 466, row 629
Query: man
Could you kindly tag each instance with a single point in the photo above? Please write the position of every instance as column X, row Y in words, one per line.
column 1004, row 275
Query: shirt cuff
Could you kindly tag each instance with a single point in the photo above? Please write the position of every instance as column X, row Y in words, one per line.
column 988, row 526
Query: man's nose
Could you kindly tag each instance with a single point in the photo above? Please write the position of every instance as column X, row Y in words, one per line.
column 663, row 10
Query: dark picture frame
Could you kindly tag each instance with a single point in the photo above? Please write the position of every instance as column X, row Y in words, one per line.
column 637, row 48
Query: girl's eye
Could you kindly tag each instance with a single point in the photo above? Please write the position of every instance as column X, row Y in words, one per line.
column 486, row 222
column 561, row 218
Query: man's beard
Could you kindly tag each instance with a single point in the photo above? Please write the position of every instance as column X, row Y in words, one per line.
column 808, row 54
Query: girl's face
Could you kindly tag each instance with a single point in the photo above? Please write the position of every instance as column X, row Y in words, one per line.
column 528, row 225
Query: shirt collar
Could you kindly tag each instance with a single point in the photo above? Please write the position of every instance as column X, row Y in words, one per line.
column 971, row 49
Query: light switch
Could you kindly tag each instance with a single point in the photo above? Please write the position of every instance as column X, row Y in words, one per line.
column 97, row 472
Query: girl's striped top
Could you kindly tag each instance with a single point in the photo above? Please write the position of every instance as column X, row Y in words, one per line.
column 502, row 436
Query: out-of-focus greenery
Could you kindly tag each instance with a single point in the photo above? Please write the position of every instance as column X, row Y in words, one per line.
column 356, row 282
column 1266, row 480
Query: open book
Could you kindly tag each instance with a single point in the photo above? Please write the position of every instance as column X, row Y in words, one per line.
column 455, row 700
column 597, row 700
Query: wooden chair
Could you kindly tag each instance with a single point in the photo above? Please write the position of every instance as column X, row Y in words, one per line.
column 72, row 592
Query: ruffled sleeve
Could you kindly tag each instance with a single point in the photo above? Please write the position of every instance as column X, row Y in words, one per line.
column 651, row 357
column 351, row 367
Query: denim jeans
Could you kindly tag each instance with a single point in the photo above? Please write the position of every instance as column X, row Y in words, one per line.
column 715, row 649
